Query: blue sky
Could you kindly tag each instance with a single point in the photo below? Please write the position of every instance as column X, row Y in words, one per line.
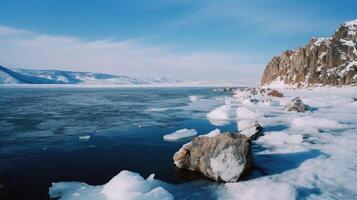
column 176, row 38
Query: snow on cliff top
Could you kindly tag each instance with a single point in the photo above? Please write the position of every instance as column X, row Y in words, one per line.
column 350, row 23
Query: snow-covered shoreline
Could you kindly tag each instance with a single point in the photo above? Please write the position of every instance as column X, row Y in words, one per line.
column 307, row 155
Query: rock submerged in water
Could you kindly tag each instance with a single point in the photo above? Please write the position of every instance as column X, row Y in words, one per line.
column 296, row 105
column 224, row 157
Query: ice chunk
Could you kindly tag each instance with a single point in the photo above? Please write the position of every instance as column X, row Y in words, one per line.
column 180, row 134
column 193, row 98
column 157, row 109
column 222, row 112
column 220, row 115
column 129, row 185
column 245, row 113
column 124, row 186
column 84, row 137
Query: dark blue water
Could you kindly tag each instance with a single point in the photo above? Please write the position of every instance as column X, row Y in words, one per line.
column 40, row 130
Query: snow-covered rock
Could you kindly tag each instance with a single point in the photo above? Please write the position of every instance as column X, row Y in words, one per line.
column 252, row 130
column 213, row 133
column 296, row 105
column 223, row 157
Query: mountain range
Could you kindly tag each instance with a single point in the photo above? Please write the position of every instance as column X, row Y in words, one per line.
column 27, row 76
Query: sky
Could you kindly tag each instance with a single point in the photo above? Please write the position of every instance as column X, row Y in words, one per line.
column 180, row 39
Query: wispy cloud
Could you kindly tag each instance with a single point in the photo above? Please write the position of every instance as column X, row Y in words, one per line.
column 268, row 17
column 22, row 48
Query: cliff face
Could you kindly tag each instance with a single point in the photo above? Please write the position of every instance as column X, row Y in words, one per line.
column 323, row 61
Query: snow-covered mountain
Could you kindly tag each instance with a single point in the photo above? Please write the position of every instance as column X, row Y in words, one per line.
column 19, row 76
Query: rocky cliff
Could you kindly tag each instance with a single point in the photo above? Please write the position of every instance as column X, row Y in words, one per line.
column 323, row 61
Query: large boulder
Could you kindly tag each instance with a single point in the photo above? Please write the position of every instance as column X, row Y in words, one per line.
column 224, row 157
column 296, row 105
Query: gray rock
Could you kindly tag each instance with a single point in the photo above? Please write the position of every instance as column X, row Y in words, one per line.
column 296, row 105
column 224, row 157
column 323, row 61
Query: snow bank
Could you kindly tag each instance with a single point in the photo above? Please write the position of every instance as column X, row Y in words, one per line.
column 262, row 189
column 180, row 134
column 124, row 186
column 245, row 113
column 312, row 123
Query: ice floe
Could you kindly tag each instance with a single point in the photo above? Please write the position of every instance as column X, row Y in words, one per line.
column 193, row 98
column 84, row 137
column 180, row 134
column 220, row 115
column 280, row 138
column 312, row 123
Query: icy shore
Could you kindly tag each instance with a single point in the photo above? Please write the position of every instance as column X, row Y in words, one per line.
column 310, row 155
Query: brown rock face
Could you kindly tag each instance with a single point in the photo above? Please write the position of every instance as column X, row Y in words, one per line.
column 323, row 61
column 224, row 157
column 275, row 93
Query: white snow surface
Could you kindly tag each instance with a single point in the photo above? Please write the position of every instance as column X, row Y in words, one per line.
column 180, row 134
column 124, row 186
column 213, row 133
column 262, row 189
